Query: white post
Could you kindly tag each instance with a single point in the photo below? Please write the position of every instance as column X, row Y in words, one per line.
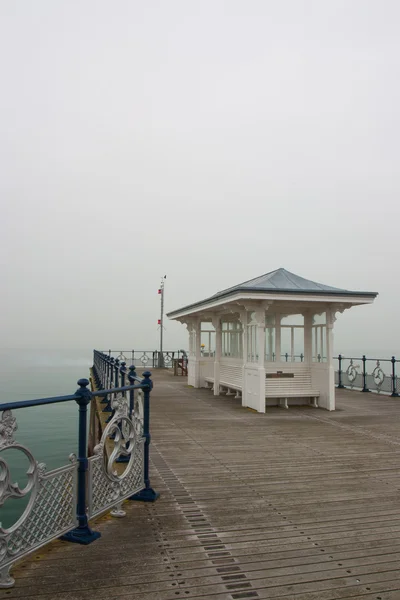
column 308, row 319
column 330, row 320
column 218, row 348
column 292, row 343
column 197, row 352
column 278, row 337
column 243, row 320
column 260, row 316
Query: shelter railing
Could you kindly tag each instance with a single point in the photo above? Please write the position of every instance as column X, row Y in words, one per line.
column 368, row 374
column 61, row 502
column 148, row 358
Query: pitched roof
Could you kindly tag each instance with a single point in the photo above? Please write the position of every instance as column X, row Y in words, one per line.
column 278, row 281
column 282, row 280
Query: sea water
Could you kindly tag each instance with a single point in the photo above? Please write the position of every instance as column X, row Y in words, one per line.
column 49, row 432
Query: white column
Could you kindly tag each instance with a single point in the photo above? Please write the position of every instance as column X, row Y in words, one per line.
column 243, row 320
column 308, row 319
column 330, row 320
column 217, row 359
column 278, row 337
column 197, row 352
column 260, row 316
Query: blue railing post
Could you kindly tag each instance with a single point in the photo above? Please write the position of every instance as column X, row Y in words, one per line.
column 364, row 362
column 116, row 375
column 122, row 458
column 82, row 534
column 115, row 369
column 148, row 494
column 107, row 366
column 394, row 383
column 131, row 378
column 340, row 383
column 107, row 408
column 97, row 367
column 103, row 370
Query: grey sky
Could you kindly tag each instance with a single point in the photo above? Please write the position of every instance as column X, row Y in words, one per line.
column 211, row 140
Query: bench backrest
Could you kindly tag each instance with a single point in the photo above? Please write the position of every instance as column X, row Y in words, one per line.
column 281, row 381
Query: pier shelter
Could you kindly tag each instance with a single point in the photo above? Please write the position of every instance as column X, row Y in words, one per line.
column 268, row 340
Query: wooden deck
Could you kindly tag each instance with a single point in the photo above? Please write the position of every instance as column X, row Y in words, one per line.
column 299, row 504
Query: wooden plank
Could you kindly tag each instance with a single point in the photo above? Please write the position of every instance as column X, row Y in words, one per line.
column 291, row 504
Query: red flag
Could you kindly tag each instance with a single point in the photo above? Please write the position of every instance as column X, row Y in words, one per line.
column 159, row 291
column 159, row 321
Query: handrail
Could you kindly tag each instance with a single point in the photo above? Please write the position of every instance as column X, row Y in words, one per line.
column 129, row 421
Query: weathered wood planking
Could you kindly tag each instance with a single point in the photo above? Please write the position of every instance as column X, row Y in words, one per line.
column 298, row 504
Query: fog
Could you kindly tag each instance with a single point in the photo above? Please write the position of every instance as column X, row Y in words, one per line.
column 211, row 141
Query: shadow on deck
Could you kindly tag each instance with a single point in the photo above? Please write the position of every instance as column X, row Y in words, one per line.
column 299, row 504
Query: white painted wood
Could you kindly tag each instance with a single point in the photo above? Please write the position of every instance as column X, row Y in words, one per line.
column 243, row 320
column 218, row 345
column 307, row 337
column 278, row 336
column 246, row 374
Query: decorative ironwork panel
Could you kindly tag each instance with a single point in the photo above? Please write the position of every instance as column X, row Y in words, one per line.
column 51, row 509
column 352, row 377
column 122, row 440
column 167, row 359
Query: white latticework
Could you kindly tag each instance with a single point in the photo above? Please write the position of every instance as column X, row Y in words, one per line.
column 104, row 493
column 122, row 438
column 51, row 507
column 52, row 514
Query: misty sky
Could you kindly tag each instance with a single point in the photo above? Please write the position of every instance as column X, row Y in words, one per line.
column 209, row 140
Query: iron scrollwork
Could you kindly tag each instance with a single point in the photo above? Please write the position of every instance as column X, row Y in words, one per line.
column 352, row 372
column 378, row 376
column 109, row 484
column 50, row 510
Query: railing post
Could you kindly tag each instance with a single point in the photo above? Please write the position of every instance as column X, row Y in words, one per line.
column 116, row 376
column 104, row 369
column 122, row 458
column 340, row 383
column 364, row 361
column 147, row 494
column 107, row 399
column 394, row 386
column 113, row 384
column 107, row 366
column 131, row 378
column 82, row 534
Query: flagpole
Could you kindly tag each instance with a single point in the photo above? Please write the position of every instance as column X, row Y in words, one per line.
column 161, row 322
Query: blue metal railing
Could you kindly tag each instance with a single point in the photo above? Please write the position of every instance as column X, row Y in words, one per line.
column 368, row 374
column 148, row 358
column 47, row 492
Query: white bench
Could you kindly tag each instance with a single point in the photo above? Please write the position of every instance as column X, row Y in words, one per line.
column 285, row 385
column 225, row 388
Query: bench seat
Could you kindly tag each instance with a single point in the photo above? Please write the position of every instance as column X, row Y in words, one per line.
column 283, row 386
column 224, row 384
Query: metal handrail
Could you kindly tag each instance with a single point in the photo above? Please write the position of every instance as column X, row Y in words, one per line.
column 109, row 379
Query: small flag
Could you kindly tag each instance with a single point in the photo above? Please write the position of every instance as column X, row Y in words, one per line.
column 159, row 291
column 159, row 321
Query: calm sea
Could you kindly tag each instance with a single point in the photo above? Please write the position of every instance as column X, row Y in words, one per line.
column 50, row 432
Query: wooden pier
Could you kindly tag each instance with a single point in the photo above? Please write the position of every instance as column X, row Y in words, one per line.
column 301, row 504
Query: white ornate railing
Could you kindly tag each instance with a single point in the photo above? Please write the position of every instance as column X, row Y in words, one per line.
column 108, row 485
column 61, row 502
column 51, row 509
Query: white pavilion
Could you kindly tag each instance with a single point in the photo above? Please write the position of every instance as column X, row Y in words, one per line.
column 268, row 340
